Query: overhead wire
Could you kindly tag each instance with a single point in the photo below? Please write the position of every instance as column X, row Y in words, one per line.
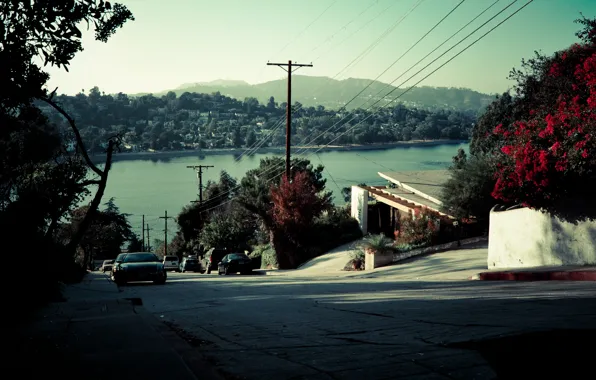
column 425, row 77
column 438, row 68
column 387, row 69
column 414, row 65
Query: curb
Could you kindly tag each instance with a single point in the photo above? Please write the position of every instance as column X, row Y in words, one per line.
column 196, row 364
column 577, row 275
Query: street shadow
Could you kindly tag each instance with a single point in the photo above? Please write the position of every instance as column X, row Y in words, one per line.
column 559, row 353
column 418, row 315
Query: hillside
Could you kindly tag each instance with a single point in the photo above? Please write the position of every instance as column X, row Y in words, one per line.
column 331, row 93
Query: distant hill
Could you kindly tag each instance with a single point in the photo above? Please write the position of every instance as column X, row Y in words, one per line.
column 331, row 93
column 216, row 83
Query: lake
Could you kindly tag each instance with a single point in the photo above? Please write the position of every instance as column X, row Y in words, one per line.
column 152, row 187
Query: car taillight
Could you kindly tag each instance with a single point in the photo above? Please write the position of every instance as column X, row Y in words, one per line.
column 210, row 259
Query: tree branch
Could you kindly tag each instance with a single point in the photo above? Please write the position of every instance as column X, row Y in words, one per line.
column 89, row 183
column 78, row 137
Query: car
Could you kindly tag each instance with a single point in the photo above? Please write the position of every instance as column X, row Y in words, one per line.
column 106, row 266
column 138, row 266
column 234, row 263
column 190, row 264
column 171, row 263
column 212, row 258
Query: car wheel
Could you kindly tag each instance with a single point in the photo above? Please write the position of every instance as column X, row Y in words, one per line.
column 209, row 271
column 226, row 271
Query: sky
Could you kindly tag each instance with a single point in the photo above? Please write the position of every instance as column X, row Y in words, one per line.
column 174, row 42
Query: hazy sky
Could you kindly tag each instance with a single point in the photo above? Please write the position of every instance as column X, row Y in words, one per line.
column 182, row 41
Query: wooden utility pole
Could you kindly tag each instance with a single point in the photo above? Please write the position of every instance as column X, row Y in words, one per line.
column 199, row 170
column 165, row 218
column 143, row 226
column 289, row 70
column 148, row 241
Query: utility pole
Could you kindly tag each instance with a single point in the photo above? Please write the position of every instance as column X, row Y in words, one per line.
column 143, row 226
column 148, row 241
column 199, row 170
column 165, row 218
column 289, row 70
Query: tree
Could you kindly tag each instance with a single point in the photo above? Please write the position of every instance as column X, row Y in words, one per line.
column 108, row 232
column 296, row 204
column 547, row 160
column 346, row 192
column 233, row 229
column 135, row 244
column 251, row 138
column 254, row 191
column 467, row 193
column 48, row 29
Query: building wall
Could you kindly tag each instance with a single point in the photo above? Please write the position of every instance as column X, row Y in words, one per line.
column 528, row 238
column 359, row 209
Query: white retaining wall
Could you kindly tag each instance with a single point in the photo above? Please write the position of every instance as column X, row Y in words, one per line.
column 528, row 238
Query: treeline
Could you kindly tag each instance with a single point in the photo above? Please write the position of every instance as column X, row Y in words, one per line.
column 213, row 121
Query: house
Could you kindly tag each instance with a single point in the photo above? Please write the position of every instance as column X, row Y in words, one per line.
column 378, row 209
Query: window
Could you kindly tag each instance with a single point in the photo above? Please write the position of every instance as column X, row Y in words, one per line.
column 140, row 258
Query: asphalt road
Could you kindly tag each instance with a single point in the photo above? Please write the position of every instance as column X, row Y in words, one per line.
column 398, row 323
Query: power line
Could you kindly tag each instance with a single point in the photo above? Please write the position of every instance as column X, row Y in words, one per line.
column 410, row 88
column 397, row 87
column 382, row 36
column 330, row 37
column 306, row 28
column 359, row 29
column 438, row 68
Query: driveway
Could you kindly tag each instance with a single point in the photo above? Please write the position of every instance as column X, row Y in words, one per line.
column 398, row 322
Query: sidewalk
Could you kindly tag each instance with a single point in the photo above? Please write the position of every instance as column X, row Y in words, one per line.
column 562, row 273
column 96, row 334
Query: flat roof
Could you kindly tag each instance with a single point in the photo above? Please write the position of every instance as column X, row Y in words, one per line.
column 429, row 182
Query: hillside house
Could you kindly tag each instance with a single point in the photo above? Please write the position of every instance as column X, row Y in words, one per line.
column 378, row 209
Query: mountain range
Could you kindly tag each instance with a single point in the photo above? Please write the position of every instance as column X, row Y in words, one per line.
column 332, row 93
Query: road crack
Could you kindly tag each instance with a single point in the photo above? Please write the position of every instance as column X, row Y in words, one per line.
column 456, row 324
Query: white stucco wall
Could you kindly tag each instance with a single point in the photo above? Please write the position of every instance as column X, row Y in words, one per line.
column 359, row 210
column 527, row 238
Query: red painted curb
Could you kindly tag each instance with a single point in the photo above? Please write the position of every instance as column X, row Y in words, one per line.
column 579, row 275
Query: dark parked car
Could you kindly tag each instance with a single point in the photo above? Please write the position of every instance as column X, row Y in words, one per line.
column 212, row 257
column 234, row 263
column 138, row 266
column 190, row 264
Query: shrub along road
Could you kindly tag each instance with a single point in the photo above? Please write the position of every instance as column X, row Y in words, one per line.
column 342, row 327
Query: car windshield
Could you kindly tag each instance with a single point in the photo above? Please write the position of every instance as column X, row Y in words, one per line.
column 191, row 261
column 107, row 262
column 140, row 258
column 171, row 258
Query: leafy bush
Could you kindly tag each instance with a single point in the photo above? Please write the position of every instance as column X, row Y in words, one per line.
column 356, row 262
column 265, row 256
column 421, row 228
column 332, row 230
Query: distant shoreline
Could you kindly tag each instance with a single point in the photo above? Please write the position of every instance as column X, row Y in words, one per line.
column 165, row 155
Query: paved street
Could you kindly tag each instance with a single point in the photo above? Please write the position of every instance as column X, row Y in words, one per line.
column 396, row 325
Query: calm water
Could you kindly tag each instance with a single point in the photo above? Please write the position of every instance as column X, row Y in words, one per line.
column 150, row 188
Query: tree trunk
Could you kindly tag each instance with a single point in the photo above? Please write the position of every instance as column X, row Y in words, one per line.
column 284, row 249
column 86, row 222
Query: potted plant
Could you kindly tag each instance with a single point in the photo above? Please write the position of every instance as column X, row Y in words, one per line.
column 379, row 251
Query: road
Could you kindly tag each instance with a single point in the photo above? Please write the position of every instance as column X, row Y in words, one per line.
column 399, row 322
